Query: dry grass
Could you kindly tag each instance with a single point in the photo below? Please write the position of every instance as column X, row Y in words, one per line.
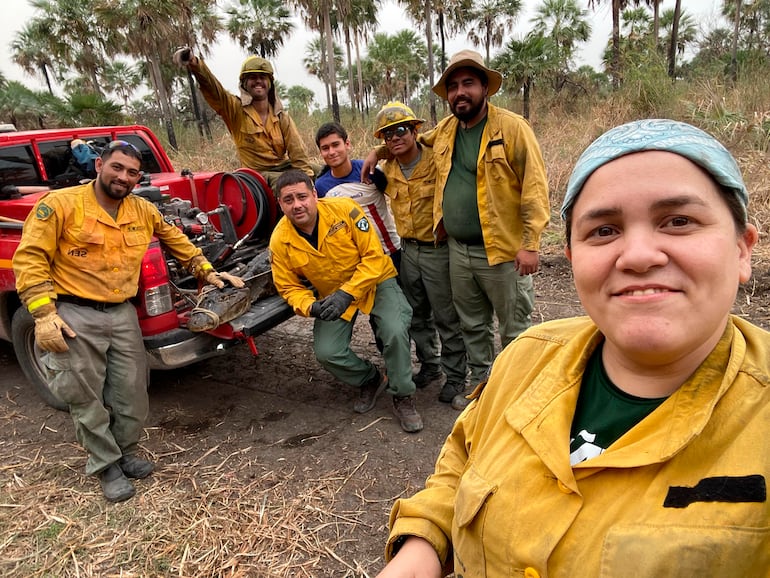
column 219, row 511
column 216, row 512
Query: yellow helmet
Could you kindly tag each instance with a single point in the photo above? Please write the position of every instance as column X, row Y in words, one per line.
column 255, row 64
column 394, row 113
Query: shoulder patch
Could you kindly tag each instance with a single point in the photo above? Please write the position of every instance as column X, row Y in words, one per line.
column 43, row 211
column 354, row 213
column 362, row 224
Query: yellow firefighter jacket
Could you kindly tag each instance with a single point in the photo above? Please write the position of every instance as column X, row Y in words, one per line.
column 261, row 146
column 72, row 246
column 349, row 257
column 683, row 493
column 512, row 186
column 412, row 200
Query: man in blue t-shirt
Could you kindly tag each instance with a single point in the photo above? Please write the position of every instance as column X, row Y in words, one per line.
column 342, row 178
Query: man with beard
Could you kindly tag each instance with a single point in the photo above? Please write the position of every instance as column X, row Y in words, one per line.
column 492, row 202
column 329, row 244
column 76, row 268
column 264, row 134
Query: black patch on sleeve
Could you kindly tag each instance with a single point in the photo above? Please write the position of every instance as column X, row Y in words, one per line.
column 734, row 489
column 494, row 143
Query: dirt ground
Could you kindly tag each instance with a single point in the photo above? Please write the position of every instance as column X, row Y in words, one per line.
column 264, row 469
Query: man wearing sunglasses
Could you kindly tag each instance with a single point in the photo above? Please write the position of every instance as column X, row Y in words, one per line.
column 264, row 134
column 492, row 202
column 424, row 274
column 77, row 266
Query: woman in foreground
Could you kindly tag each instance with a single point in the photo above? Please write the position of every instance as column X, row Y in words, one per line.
column 634, row 441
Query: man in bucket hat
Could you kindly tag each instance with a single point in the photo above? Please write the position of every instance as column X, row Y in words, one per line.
column 264, row 134
column 492, row 202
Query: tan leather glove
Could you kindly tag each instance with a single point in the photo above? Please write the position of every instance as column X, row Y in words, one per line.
column 218, row 279
column 49, row 327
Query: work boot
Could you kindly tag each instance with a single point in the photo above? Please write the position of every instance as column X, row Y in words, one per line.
column 115, row 485
column 370, row 391
column 460, row 402
column 406, row 413
column 134, row 467
column 427, row 375
column 450, row 390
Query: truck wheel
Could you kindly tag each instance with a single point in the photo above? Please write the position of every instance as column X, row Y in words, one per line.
column 28, row 355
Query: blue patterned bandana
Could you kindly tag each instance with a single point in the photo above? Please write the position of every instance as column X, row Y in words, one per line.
column 658, row 135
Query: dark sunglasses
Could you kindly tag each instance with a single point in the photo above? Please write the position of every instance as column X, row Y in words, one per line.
column 399, row 131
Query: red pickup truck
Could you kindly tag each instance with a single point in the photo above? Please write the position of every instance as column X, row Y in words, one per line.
column 228, row 215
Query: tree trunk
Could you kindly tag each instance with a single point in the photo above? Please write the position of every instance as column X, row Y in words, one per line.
column 162, row 98
column 332, row 73
column 674, row 39
column 734, row 51
column 615, row 62
column 431, row 66
column 525, row 100
column 350, row 66
column 360, row 75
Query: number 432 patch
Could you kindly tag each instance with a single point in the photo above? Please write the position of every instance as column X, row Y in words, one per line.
column 362, row 224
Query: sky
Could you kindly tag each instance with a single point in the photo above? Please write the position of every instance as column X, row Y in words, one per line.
column 226, row 57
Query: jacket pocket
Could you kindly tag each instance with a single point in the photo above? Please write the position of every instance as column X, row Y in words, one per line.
column 654, row 551
column 473, row 493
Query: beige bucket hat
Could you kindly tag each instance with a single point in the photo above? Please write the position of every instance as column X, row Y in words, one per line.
column 468, row 59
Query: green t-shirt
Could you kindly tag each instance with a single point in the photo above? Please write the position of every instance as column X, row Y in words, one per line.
column 603, row 413
column 461, row 208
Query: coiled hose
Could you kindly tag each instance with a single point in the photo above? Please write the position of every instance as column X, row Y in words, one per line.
column 249, row 185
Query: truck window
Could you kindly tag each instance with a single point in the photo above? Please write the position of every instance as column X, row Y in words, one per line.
column 18, row 166
column 60, row 165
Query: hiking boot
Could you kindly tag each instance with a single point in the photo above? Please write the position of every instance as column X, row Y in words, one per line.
column 406, row 413
column 370, row 391
column 134, row 467
column 449, row 391
column 427, row 375
column 115, row 485
column 460, row 402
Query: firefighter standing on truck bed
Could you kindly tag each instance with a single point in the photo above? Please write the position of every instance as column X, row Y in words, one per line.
column 76, row 267
column 263, row 132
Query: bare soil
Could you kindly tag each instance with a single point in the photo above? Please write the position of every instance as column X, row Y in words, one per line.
column 264, row 469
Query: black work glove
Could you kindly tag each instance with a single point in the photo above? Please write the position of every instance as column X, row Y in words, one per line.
column 334, row 305
column 315, row 309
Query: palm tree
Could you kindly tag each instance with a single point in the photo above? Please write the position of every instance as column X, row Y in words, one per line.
column 399, row 60
column 566, row 24
column 489, row 20
column 522, row 62
column 674, row 42
column 259, row 26
column 150, row 30
column 617, row 7
column 31, row 49
column 300, row 98
column 318, row 16
column 22, row 107
column 314, row 62
column 75, row 36
column 122, row 79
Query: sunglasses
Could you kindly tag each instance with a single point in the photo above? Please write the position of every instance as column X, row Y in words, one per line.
column 399, row 131
column 121, row 144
